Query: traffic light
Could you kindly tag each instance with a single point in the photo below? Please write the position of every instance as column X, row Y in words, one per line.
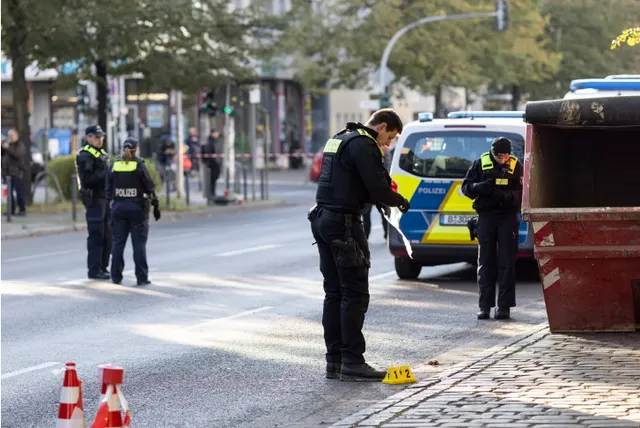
column 384, row 100
column 209, row 105
column 227, row 110
column 82, row 95
column 502, row 15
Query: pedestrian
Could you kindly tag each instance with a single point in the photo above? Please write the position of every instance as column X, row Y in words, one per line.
column 193, row 149
column 13, row 165
column 130, row 187
column 92, row 164
column 351, row 179
column 494, row 182
column 210, row 149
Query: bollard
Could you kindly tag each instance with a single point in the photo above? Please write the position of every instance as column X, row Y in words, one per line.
column 167, row 180
column 74, row 196
column 9, row 198
column 244, row 180
column 187, row 189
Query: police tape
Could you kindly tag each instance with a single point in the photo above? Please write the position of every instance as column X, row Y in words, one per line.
column 248, row 155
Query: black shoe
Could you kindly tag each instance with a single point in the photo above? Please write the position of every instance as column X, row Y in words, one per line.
column 503, row 314
column 22, row 214
column 360, row 373
column 101, row 275
column 333, row 370
column 116, row 281
column 145, row 282
column 484, row 314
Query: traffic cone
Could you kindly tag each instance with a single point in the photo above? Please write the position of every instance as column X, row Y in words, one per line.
column 71, row 412
column 112, row 400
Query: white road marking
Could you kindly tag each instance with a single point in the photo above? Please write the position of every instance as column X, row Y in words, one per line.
column 230, row 317
column 37, row 256
column 382, row 275
column 178, row 236
column 28, row 369
column 249, row 250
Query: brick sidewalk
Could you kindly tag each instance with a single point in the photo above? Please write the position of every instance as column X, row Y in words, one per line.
column 541, row 381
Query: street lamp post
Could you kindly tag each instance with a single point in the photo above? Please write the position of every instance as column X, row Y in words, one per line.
column 499, row 13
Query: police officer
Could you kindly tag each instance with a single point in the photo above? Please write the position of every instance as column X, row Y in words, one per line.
column 129, row 186
column 494, row 182
column 92, row 164
column 352, row 178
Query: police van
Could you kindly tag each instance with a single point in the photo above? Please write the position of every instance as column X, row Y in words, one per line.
column 429, row 163
column 610, row 86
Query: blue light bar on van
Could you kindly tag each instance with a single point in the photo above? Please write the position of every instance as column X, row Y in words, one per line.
column 425, row 117
column 606, row 84
column 485, row 114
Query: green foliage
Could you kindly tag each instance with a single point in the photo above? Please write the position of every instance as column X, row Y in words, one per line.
column 155, row 175
column 62, row 168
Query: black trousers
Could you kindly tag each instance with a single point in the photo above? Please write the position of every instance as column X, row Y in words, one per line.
column 346, row 286
column 130, row 218
column 497, row 252
column 99, row 239
column 17, row 187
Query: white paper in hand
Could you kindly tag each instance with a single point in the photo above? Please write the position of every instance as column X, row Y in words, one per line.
column 394, row 220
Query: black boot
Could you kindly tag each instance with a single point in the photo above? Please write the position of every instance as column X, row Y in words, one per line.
column 144, row 282
column 484, row 313
column 101, row 275
column 503, row 314
column 361, row 372
column 333, row 370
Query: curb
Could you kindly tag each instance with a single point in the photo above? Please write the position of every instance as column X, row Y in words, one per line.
column 170, row 216
column 393, row 406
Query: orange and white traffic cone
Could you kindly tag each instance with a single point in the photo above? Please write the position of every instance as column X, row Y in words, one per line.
column 112, row 400
column 71, row 412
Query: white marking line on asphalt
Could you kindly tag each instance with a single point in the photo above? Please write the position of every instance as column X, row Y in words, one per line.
column 28, row 369
column 230, row 317
column 249, row 250
column 173, row 237
column 382, row 275
column 37, row 256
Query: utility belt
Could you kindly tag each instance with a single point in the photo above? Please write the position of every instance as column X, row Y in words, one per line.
column 340, row 210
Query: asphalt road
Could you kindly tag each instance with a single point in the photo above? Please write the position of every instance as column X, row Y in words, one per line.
column 229, row 333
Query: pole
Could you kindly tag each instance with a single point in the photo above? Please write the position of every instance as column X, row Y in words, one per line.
column 45, row 155
column 9, row 198
column 186, row 181
column 252, row 147
column 227, row 129
column 403, row 30
column 167, row 180
column 180, row 177
column 267, row 143
column 123, row 111
column 74, row 196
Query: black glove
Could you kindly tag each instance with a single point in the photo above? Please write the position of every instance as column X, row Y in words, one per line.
column 484, row 187
column 156, row 209
column 404, row 205
column 384, row 209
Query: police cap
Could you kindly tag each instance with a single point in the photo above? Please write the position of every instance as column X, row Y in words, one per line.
column 94, row 130
column 130, row 143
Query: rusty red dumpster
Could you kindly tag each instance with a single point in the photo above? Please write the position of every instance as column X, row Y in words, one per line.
column 582, row 196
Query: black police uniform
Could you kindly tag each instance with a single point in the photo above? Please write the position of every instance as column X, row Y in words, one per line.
column 130, row 187
column 352, row 177
column 497, row 193
column 92, row 165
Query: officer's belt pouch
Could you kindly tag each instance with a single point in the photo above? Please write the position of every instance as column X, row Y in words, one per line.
column 313, row 212
column 349, row 254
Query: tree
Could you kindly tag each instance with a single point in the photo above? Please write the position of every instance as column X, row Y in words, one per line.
column 630, row 35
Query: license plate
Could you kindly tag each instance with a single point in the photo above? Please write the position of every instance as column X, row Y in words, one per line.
column 455, row 219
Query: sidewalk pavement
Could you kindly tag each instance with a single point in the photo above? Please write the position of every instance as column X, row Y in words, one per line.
column 35, row 224
column 541, row 380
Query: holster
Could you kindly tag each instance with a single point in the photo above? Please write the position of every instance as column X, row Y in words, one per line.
column 312, row 213
column 472, row 225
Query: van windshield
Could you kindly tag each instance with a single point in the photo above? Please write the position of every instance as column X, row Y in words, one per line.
column 449, row 154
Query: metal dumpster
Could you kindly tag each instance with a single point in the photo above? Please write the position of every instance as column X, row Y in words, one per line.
column 582, row 196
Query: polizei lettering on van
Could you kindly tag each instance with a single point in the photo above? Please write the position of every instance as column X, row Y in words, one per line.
column 432, row 190
column 127, row 193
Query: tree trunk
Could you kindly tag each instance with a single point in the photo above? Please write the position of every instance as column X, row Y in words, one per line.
column 101, row 82
column 17, row 40
column 438, row 102
column 515, row 97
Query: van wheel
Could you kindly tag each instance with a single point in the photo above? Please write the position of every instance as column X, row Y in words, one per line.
column 406, row 269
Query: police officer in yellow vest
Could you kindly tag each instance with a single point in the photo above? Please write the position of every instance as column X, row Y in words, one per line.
column 92, row 164
column 494, row 182
column 352, row 178
column 130, row 187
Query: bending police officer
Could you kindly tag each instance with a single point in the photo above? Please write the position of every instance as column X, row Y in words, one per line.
column 129, row 186
column 352, row 178
column 494, row 182
column 92, row 164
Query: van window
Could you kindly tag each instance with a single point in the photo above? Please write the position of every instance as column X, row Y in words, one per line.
column 449, row 154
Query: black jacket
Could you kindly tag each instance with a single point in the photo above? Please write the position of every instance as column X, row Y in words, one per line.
column 502, row 191
column 92, row 170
